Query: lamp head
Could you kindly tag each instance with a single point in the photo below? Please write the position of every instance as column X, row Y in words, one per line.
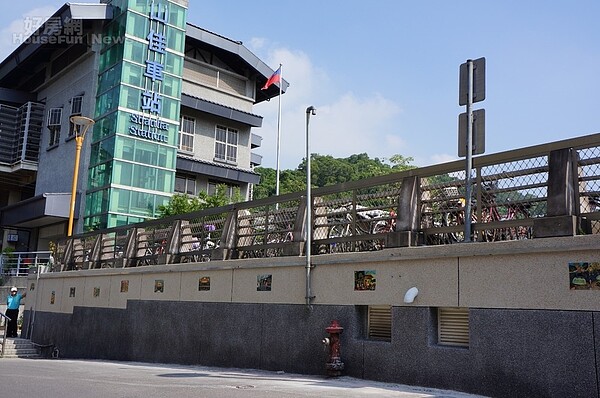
column 82, row 124
column 311, row 110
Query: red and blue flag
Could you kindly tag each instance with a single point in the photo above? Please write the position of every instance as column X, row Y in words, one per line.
column 275, row 78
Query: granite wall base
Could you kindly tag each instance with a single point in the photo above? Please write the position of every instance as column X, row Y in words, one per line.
column 533, row 353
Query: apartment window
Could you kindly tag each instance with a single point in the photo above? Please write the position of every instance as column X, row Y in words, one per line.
column 453, row 326
column 76, row 103
column 187, row 131
column 379, row 322
column 185, row 185
column 226, row 141
column 54, row 121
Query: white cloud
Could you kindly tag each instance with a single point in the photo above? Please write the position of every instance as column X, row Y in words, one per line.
column 11, row 36
column 256, row 43
column 357, row 125
column 344, row 124
column 436, row 159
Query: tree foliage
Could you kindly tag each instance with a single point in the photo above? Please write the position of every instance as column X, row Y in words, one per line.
column 327, row 170
column 289, row 181
column 183, row 203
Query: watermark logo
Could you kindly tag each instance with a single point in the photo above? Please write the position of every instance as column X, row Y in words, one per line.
column 53, row 30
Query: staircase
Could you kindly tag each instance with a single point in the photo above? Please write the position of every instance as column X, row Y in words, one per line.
column 20, row 348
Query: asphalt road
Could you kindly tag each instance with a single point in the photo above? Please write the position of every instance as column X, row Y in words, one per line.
column 48, row 378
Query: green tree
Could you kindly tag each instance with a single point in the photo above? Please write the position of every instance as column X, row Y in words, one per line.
column 183, row 203
column 266, row 186
column 289, row 181
column 327, row 170
column 401, row 163
column 180, row 204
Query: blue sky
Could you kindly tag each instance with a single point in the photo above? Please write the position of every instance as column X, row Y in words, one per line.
column 383, row 74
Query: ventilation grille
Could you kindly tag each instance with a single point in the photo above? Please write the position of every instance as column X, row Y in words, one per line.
column 453, row 326
column 380, row 322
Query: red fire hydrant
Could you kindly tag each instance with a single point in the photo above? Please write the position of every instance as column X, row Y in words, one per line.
column 334, row 363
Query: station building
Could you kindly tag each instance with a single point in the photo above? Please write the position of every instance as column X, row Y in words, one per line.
column 173, row 111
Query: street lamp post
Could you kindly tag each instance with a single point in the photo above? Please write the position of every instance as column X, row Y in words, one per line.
column 82, row 124
column 309, row 111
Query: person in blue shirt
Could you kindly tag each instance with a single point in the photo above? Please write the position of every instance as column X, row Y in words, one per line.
column 13, row 302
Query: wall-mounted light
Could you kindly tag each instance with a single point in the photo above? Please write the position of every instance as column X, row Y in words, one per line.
column 410, row 295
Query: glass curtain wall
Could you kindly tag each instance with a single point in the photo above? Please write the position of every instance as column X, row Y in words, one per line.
column 135, row 138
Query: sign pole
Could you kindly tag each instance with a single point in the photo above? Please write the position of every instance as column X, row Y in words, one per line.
column 469, row 157
column 471, row 127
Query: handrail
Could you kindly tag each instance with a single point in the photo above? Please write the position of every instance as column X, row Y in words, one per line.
column 6, row 320
column 511, row 192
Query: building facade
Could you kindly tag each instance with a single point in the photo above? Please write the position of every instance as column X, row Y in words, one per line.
column 172, row 105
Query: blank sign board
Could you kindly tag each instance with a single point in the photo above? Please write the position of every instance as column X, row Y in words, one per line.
column 478, row 133
column 478, row 82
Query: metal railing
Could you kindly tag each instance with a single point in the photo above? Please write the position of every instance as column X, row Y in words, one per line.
column 511, row 192
column 20, row 263
column 6, row 320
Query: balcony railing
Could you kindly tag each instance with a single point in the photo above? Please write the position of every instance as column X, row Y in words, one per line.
column 514, row 193
column 22, row 263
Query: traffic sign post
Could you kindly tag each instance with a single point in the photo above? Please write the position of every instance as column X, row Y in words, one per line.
column 471, row 89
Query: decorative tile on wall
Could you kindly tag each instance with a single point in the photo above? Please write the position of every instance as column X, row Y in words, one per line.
column 159, row 286
column 263, row 283
column 365, row 280
column 584, row 276
column 204, row 283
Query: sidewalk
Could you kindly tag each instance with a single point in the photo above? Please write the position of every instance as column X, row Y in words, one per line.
column 73, row 378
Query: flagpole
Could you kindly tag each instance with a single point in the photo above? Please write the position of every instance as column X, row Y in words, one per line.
column 279, row 130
